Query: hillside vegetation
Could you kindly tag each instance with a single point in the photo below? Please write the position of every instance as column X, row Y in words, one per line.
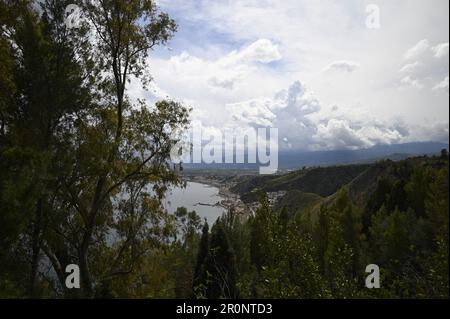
column 323, row 181
column 317, row 245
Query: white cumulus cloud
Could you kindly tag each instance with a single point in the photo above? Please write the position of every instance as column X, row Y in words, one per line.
column 442, row 86
column 409, row 67
column 411, row 82
column 428, row 67
column 421, row 47
column 441, row 50
column 302, row 124
column 263, row 51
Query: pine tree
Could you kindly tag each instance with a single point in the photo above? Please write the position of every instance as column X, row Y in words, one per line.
column 220, row 266
column 264, row 226
column 321, row 235
column 438, row 212
column 200, row 276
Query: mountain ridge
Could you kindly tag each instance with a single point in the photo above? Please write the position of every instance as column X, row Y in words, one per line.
column 297, row 159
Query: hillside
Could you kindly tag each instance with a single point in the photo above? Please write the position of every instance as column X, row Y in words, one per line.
column 369, row 186
column 297, row 201
column 322, row 181
column 391, row 214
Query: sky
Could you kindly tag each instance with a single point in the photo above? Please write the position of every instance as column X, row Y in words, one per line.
column 329, row 74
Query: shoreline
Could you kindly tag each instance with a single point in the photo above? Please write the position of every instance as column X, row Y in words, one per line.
column 230, row 200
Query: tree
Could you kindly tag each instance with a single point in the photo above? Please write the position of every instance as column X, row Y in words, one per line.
column 295, row 272
column 134, row 143
column 189, row 223
column 377, row 199
column 83, row 143
column 321, row 235
column 444, row 154
column 48, row 89
column 342, row 256
column 438, row 210
column 264, row 226
column 220, row 266
column 199, row 282
column 417, row 189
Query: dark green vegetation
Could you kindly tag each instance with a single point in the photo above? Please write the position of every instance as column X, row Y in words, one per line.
column 83, row 171
column 322, row 181
column 393, row 214
column 72, row 142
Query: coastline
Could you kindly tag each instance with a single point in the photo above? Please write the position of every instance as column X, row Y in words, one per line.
column 230, row 200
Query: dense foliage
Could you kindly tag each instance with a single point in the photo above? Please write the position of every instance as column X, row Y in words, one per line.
column 83, row 167
column 398, row 221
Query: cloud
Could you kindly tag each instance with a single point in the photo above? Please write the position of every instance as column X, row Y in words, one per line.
column 441, row 50
column 342, row 66
column 421, row 47
column 263, row 51
column 288, row 110
column 227, row 71
column 428, row 67
column 302, row 125
column 337, row 134
column 208, row 83
column 347, row 128
column 235, row 64
column 438, row 132
column 442, row 86
column 410, row 82
column 229, row 60
column 224, row 82
column 409, row 67
column 341, row 134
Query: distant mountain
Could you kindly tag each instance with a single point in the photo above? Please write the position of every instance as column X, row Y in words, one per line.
column 299, row 159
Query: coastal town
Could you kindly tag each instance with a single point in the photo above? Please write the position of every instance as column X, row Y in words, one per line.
column 232, row 200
